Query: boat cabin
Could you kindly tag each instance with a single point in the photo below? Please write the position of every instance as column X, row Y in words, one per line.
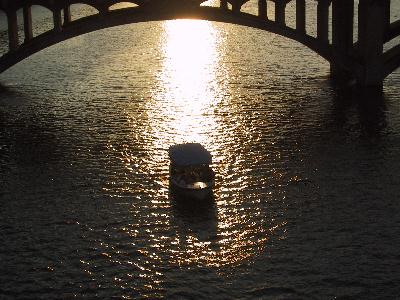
column 190, row 168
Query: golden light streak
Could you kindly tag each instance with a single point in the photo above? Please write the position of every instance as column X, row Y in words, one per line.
column 188, row 78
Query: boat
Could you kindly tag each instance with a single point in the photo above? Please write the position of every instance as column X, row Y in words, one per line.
column 190, row 173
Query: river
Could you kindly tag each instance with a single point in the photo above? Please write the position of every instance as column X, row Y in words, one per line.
column 305, row 204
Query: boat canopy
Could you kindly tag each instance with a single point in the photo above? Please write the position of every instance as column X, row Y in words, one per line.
column 189, row 154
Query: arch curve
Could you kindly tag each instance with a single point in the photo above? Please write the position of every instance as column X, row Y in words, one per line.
column 141, row 14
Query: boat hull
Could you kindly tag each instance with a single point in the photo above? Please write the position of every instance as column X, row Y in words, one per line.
column 198, row 194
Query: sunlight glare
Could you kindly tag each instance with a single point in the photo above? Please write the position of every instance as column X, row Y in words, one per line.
column 188, row 77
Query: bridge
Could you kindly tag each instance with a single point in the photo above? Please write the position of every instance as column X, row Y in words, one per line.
column 363, row 61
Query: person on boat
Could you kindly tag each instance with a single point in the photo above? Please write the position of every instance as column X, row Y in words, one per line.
column 191, row 176
column 181, row 181
column 196, row 177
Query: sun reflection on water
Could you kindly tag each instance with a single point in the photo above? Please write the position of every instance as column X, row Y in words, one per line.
column 189, row 86
column 185, row 106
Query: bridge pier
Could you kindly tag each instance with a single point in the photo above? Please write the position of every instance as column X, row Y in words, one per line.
column 323, row 20
column 342, row 35
column 13, row 42
column 386, row 14
column 371, row 25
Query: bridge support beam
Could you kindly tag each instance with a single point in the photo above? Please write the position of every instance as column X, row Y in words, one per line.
column 371, row 20
column 27, row 11
column 236, row 5
column 262, row 9
column 280, row 11
column 342, row 35
column 224, row 4
column 323, row 20
column 386, row 14
column 57, row 19
column 67, row 14
column 301, row 15
column 12, row 19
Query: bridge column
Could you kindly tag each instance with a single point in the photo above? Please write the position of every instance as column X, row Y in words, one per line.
column 57, row 19
column 28, row 23
column 386, row 12
column 301, row 15
column 262, row 9
column 342, row 34
column 12, row 19
column 103, row 11
column 67, row 14
column 371, row 14
column 323, row 20
column 236, row 5
column 224, row 4
column 280, row 11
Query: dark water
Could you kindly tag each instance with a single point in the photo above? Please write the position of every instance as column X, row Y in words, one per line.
column 306, row 203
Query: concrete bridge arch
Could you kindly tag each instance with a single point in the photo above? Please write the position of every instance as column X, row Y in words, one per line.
column 364, row 61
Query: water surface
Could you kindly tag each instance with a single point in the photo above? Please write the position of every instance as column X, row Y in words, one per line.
column 305, row 205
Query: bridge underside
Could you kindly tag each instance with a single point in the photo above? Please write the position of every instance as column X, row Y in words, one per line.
column 363, row 61
column 139, row 14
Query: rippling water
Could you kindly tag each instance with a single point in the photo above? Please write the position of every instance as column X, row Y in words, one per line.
column 305, row 204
